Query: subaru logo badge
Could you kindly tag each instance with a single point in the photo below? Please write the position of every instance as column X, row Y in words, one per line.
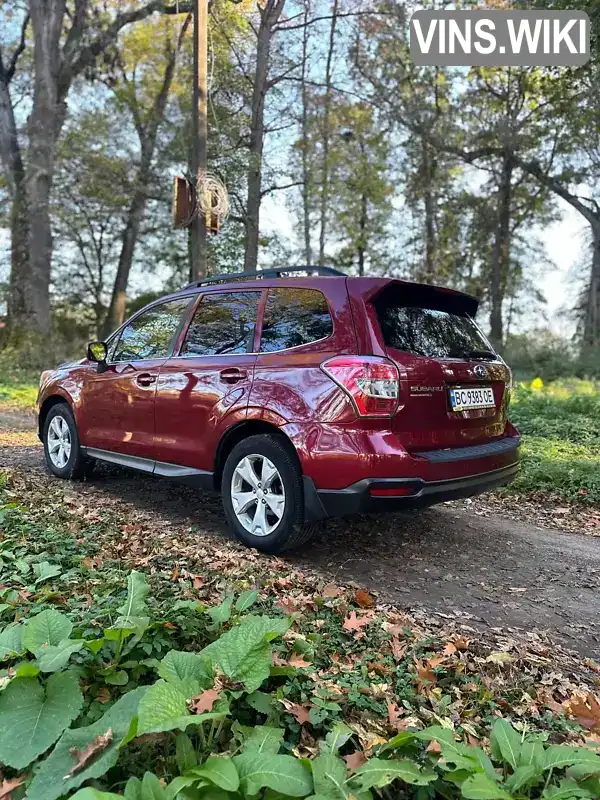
column 480, row 371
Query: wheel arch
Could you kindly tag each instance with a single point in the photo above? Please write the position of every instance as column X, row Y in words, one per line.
column 238, row 433
column 49, row 402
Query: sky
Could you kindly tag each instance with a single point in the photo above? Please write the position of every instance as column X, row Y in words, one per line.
column 564, row 242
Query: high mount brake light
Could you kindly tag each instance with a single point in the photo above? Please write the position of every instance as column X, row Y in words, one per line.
column 371, row 382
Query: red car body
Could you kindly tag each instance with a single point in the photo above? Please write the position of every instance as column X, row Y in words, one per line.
column 180, row 416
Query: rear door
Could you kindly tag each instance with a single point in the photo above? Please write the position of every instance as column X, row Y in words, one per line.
column 301, row 328
column 204, row 388
column 453, row 386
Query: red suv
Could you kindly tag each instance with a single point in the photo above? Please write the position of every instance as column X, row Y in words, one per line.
column 299, row 398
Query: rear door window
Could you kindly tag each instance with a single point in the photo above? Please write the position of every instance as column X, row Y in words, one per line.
column 151, row 334
column 294, row 317
column 430, row 332
column 224, row 322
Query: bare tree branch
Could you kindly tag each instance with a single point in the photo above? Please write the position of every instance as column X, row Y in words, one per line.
column 12, row 64
column 280, row 188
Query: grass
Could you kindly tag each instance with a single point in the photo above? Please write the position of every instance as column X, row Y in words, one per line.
column 560, row 425
column 343, row 665
column 18, row 386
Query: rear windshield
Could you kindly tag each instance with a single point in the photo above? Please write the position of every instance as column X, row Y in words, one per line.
column 430, row 332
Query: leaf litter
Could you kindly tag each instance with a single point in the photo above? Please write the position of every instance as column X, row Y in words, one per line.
column 527, row 677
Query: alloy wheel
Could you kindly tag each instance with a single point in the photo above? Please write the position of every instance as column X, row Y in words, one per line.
column 257, row 494
column 59, row 442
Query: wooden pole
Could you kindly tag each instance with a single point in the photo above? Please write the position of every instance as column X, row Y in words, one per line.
column 199, row 132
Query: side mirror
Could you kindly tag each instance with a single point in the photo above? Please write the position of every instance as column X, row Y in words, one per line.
column 97, row 352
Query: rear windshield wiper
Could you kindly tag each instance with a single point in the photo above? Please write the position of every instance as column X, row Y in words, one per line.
column 489, row 354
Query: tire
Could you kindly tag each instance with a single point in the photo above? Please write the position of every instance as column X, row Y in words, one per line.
column 66, row 460
column 280, row 529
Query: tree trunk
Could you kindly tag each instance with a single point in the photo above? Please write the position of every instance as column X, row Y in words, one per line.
column 11, row 159
column 147, row 135
column 116, row 311
column 362, row 241
column 269, row 15
column 45, row 123
column 306, row 179
column 19, row 262
column 327, row 108
column 591, row 327
column 501, row 252
column 430, row 243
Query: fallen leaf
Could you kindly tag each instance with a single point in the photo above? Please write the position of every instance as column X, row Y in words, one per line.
column 175, row 574
column 435, row 662
column 7, row 786
column 398, row 649
column 287, row 605
column 380, row 669
column 355, row 760
column 331, row 590
column 103, row 695
column 297, row 660
column 586, row 711
column 449, row 649
column 434, row 747
column 499, row 658
column 91, row 563
column 461, row 643
column 364, row 599
column 299, row 712
column 201, row 703
column 395, row 716
column 354, row 623
column 197, row 582
column 83, row 757
column 426, row 676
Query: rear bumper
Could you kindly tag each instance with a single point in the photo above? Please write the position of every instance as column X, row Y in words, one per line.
column 358, row 498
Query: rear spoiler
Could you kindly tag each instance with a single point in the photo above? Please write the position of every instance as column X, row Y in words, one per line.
column 422, row 295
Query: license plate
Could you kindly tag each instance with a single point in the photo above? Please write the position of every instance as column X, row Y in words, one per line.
column 461, row 399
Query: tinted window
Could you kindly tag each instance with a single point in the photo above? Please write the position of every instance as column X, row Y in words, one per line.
column 294, row 317
column 429, row 332
column 151, row 334
column 223, row 323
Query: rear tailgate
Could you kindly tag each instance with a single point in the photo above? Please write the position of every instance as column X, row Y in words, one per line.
column 449, row 397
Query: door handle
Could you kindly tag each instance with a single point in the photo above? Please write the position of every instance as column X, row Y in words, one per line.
column 233, row 375
column 145, row 379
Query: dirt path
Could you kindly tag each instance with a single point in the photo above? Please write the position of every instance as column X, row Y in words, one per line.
column 453, row 559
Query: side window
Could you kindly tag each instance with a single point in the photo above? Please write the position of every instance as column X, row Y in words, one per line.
column 151, row 334
column 294, row 317
column 223, row 323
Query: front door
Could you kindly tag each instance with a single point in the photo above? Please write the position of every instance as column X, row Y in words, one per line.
column 117, row 405
column 204, row 389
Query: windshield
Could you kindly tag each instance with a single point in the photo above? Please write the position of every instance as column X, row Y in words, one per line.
column 429, row 332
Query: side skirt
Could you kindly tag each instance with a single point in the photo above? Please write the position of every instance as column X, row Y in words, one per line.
column 194, row 477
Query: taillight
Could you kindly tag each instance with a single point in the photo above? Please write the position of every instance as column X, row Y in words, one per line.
column 371, row 382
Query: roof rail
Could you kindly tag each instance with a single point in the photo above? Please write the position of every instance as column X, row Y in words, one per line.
column 270, row 272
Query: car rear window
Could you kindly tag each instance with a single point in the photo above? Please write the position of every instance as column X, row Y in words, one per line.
column 294, row 317
column 431, row 332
